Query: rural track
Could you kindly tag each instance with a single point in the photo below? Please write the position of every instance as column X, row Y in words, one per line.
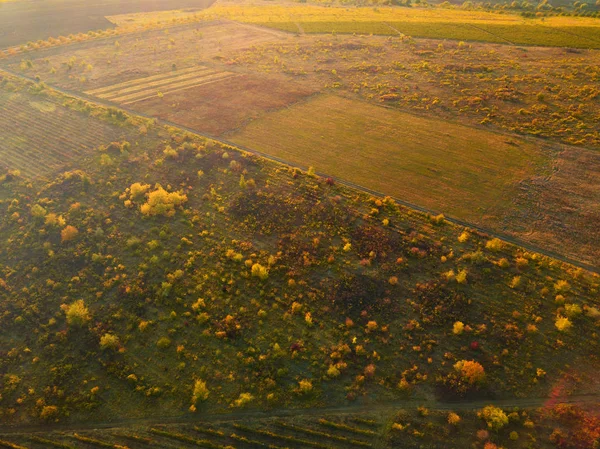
column 457, row 221
column 351, row 409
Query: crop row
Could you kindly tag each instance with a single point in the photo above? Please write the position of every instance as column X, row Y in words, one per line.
column 186, row 439
column 577, row 37
column 277, row 436
column 145, row 83
column 150, row 93
column 60, row 126
column 320, row 434
column 347, row 428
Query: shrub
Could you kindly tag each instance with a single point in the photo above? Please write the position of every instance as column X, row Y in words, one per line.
column 259, row 271
column 68, row 233
column 161, row 202
column 494, row 417
column 562, row 323
column 494, row 245
column 561, row 286
column 200, row 392
column 109, row 341
column 49, row 412
column 138, row 190
column 461, row 277
column 453, row 418
column 305, row 386
column 243, row 399
column 38, row 211
column 458, row 328
column 572, row 310
column 163, row 342
column 470, row 371
column 77, row 313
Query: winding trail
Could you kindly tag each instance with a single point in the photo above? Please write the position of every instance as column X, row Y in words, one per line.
column 457, row 221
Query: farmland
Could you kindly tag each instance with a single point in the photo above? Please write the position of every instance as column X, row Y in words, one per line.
column 41, row 135
column 416, row 22
column 289, row 226
column 464, row 171
column 169, row 292
column 230, row 80
column 24, row 21
column 386, row 427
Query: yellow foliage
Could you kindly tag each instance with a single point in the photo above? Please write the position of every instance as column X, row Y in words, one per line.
column 68, row 233
column 161, row 202
column 458, row 328
column 77, row 313
column 200, row 392
column 562, row 323
column 470, row 371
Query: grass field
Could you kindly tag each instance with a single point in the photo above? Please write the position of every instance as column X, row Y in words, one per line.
column 418, row 22
column 501, row 182
column 462, row 171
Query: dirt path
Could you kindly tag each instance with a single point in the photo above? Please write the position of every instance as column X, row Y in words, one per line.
column 225, row 416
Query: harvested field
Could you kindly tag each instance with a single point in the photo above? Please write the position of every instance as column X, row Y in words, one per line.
column 225, row 104
column 534, row 192
column 21, row 22
column 462, row 171
column 40, row 135
column 98, row 64
column 561, row 211
column 157, row 86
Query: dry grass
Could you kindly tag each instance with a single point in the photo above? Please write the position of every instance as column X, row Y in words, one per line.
column 226, row 104
column 462, row 171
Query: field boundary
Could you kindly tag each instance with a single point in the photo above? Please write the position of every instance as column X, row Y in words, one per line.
column 228, row 416
column 457, row 221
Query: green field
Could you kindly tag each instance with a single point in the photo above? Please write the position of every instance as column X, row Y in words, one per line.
column 463, row 171
column 418, row 22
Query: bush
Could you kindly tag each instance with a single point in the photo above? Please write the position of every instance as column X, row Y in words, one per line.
column 494, row 417
column 562, row 323
column 77, row 313
column 109, row 341
column 161, row 202
column 68, row 233
column 494, row 245
column 470, row 371
column 200, row 392
column 259, row 271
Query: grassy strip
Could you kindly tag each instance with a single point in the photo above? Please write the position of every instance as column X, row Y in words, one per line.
column 366, row 422
column 97, row 442
column 340, row 426
column 268, row 433
column 213, row 432
column 254, row 443
column 11, row 445
column 50, row 442
column 186, row 439
column 323, row 434
column 135, row 438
